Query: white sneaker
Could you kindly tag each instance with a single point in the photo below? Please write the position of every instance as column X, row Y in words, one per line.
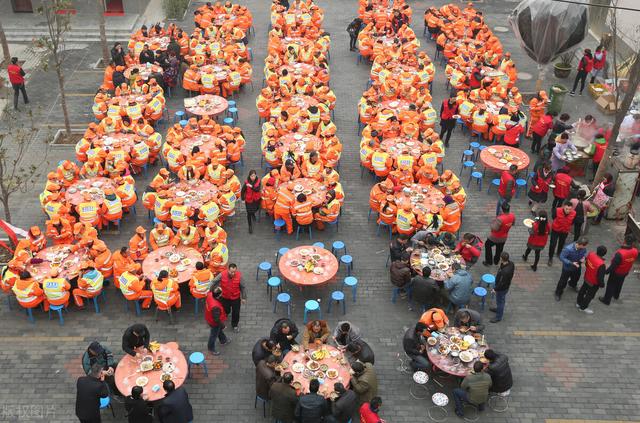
column 588, row 311
column 577, row 305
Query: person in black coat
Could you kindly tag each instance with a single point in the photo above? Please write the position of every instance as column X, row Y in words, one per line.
column 284, row 332
column 503, row 282
column 361, row 351
column 175, row 406
column 135, row 337
column 424, row 289
column 137, row 408
column 498, row 368
column 118, row 76
column 117, row 55
column 398, row 247
column 415, row 346
column 354, row 29
column 147, row 55
column 344, row 407
column 262, row 349
column 90, row 389
column 283, row 399
column 312, row 407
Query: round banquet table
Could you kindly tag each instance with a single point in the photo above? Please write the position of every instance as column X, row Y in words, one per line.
column 318, row 191
column 144, row 71
column 489, row 159
column 424, row 199
column 222, row 19
column 447, row 363
column 304, row 69
column 395, row 146
column 68, row 268
column 107, row 141
column 220, row 71
column 344, row 376
column 97, row 193
column 123, row 100
column 157, row 260
column 206, row 143
column 157, row 43
column 394, row 105
column 420, row 258
column 128, row 371
column 299, row 100
column 299, row 143
column 213, row 105
column 327, row 261
column 193, row 192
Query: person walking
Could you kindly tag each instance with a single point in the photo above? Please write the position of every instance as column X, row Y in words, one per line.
column 540, row 184
column 354, row 29
column 507, row 187
column 560, row 228
column 584, row 68
column 16, row 77
column 621, row 264
column 448, row 110
column 233, row 292
column 572, row 257
column 90, row 389
column 216, row 316
column 538, row 236
column 504, row 276
column 251, row 196
column 369, row 412
column 594, row 271
column 500, row 227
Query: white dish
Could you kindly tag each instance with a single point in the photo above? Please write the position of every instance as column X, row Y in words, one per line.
column 168, row 367
column 142, row 381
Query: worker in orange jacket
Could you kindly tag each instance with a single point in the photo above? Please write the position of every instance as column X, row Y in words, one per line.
column 451, row 215
column 138, row 248
column 284, row 204
column 122, row 262
column 165, row 291
column 131, row 284
column 201, row 281
column 59, row 230
column 90, row 283
column 56, row 289
column 160, row 236
column 104, row 261
column 28, row 292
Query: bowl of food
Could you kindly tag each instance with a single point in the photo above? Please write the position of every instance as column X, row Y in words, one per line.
column 319, row 374
column 469, row 339
column 432, row 341
column 146, row 366
column 455, row 340
column 466, row 357
column 332, row 373
column 142, row 381
column 295, row 348
column 324, row 367
column 297, row 367
column 174, row 258
column 165, row 377
column 443, row 349
column 168, row 367
column 313, row 365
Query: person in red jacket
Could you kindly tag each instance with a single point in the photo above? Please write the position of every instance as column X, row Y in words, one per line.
column 448, row 109
column 369, row 411
column 16, row 77
column 469, row 248
column 538, row 236
column 621, row 265
column 513, row 132
column 233, row 292
column 498, row 236
column 599, row 59
column 216, row 317
column 539, row 190
column 562, row 224
column 251, row 196
column 539, row 130
column 507, row 187
column 584, row 67
column 594, row 271
column 562, row 188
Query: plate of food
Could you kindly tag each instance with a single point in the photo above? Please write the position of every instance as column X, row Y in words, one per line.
column 165, row 377
column 332, row 373
column 318, row 270
column 503, row 161
column 181, row 268
column 174, row 258
column 180, row 193
column 295, row 348
column 168, row 367
column 443, row 266
column 297, row 367
column 294, row 263
column 432, row 341
column 307, row 192
column 455, row 340
column 443, row 349
column 324, row 367
column 469, row 339
column 186, row 261
column 528, row 223
column 319, row 374
column 298, row 188
column 142, row 381
column 146, row 366
column 297, row 386
column 313, row 365
column 439, row 257
column 304, row 252
column 307, row 374
column 297, row 136
column 466, row 356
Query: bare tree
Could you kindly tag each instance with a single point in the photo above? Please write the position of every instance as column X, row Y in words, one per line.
column 5, row 46
column 103, row 33
column 58, row 24
column 17, row 143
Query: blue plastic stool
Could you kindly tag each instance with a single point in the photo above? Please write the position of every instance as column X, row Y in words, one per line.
column 467, row 155
column 477, row 176
column 298, row 231
column 106, row 403
column 95, row 301
column 138, row 309
column 380, row 225
column 59, row 309
column 339, row 297
column 233, row 112
column 231, row 103
column 466, row 165
column 197, row 359
column 488, row 279
column 273, row 282
column 29, row 312
column 228, row 121
column 520, row 183
column 463, row 125
column 474, row 145
column 281, row 252
column 309, row 306
column 278, row 226
column 352, row 282
column 178, row 116
column 494, row 182
column 347, row 260
column 265, row 266
column 335, row 222
column 477, row 134
column 184, row 122
column 283, row 298
column 338, row 246
column 480, row 292
column 318, row 244
column 479, row 150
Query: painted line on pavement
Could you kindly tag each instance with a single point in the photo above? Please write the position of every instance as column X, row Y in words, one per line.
column 568, row 333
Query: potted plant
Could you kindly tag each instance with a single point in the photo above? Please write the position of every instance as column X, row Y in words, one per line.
column 562, row 68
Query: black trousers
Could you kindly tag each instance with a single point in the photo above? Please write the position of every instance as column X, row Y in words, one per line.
column 614, row 286
column 577, row 228
column 568, row 277
column 447, row 126
column 557, row 238
column 586, row 294
column 557, row 202
column 536, row 255
column 582, row 77
column 352, row 41
column 232, row 307
column 488, row 253
column 16, row 93
column 536, row 143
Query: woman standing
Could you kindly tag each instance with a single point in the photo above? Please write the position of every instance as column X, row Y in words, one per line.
column 538, row 236
column 584, row 67
column 540, row 186
column 599, row 59
column 251, row 196
column 583, row 208
column 604, row 192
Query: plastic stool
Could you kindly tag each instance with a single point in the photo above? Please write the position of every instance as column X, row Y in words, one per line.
column 480, row 292
column 228, row 121
column 278, row 226
column 281, row 252
column 478, row 179
column 264, row 405
column 479, row 150
column 95, row 301
column 466, row 165
column 370, row 211
column 440, row 407
column 265, row 266
column 520, row 183
column 318, row 244
column 179, row 116
column 309, row 306
column 339, row 297
column 197, row 359
column 59, row 309
column 196, row 302
column 380, row 225
column 184, row 122
column 495, row 399
column 463, row 126
column 283, row 298
column 338, row 246
column 353, row 283
column 231, row 103
column 105, row 402
column 273, row 282
column 347, row 260
column 467, row 155
column 475, row 134
column 488, row 279
column 137, row 303
column 494, row 182
column 474, row 145
column 233, row 112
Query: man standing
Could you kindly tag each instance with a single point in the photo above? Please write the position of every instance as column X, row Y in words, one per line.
column 502, row 285
column 233, row 292
column 571, row 257
column 473, row 390
column 562, row 224
column 620, row 266
column 448, row 110
column 90, row 389
column 16, row 77
column 594, row 271
column 364, row 381
column 216, row 317
column 175, row 406
column 507, row 187
column 498, row 236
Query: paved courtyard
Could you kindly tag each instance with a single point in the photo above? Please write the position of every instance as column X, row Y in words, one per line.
column 567, row 366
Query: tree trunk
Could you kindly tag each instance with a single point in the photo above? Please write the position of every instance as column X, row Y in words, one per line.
column 542, row 70
column 634, row 82
column 63, row 99
column 103, row 33
column 5, row 203
column 5, row 46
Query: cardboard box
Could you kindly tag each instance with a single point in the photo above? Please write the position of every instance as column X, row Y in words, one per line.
column 596, row 90
column 607, row 104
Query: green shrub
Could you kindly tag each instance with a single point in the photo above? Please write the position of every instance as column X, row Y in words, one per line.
column 174, row 9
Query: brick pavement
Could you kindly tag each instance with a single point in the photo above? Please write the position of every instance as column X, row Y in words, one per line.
column 556, row 376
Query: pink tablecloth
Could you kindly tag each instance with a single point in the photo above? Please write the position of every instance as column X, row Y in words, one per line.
column 212, row 105
column 331, row 362
column 74, row 193
column 157, row 260
column 327, row 262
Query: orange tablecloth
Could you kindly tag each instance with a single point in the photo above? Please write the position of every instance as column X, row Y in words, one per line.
column 213, row 105
column 424, row 198
column 327, row 262
column 143, row 70
column 326, row 388
column 449, row 364
column 68, row 267
column 318, row 191
column 158, row 259
column 128, row 372
column 300, row 143
column 489, row 159
column 193, row 192
column 395, row 146
column 74, row 193
column 205, row 142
